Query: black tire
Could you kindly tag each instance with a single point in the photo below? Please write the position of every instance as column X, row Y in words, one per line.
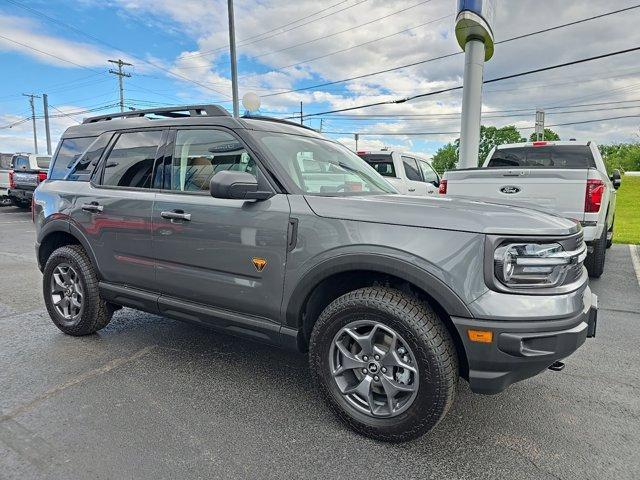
column 595, row 260
column 425, row 334
column 94, row 313
column 610, row 231
column 22, row 204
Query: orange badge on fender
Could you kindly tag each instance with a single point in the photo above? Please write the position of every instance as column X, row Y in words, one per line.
column 259, row 263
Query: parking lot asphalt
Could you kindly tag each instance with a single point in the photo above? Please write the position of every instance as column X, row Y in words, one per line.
column 150, row 397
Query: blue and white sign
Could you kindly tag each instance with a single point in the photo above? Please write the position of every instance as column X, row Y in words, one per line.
column 475, row 21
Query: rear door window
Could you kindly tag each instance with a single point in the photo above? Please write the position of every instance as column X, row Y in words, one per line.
column 550, row 156
column 130, row 162
column 68, row 153
column 411, row 169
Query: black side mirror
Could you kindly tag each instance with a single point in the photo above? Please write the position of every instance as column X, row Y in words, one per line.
column 616, row 179
column 436, row 182
column 236, row 185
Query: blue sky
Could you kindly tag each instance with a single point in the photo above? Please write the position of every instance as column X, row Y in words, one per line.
column 180, row 55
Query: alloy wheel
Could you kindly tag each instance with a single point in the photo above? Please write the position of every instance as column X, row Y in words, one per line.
column 374, row 368
column 67, row 294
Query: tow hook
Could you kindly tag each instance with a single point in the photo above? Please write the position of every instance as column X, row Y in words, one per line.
column 557, row 366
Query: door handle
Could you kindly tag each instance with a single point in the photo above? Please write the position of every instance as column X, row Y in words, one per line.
column 93, row 207
column 176, row 215
column 411, row 189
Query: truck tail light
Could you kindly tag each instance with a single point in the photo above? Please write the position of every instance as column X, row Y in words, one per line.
column 42, row 176
column 593, row 195
column 442, row 189
column 12, row 181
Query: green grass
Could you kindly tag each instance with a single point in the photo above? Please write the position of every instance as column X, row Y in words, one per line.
column 627, row 225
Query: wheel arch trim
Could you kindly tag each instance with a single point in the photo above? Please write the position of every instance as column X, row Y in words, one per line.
column 427, row 282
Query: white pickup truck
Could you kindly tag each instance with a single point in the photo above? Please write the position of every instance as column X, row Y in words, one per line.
column 568, row 179
column 410, row 173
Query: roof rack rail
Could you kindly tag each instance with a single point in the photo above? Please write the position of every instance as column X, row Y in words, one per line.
column 277, row 120
column 169, row 112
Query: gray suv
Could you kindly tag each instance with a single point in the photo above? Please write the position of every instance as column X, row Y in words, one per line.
column 265, row 229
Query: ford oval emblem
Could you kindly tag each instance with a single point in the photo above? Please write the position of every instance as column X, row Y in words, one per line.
column 509, row 189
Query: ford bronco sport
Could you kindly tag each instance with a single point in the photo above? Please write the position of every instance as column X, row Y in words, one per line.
column 265, row 229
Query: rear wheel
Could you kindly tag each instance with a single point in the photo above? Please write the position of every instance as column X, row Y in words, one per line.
column 595, row 260
column 70, row 288
column 610, row 234
column 24, row 204
column 385, row 363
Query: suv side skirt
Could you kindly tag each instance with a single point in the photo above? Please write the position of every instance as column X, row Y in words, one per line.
column 233, row 323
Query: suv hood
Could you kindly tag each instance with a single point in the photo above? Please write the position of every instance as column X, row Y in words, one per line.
column 442, row 213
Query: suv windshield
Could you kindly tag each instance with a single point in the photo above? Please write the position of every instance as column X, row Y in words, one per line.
column 320, row 167
column 551, row 156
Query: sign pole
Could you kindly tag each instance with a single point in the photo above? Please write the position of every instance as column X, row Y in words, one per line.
column 475, row 37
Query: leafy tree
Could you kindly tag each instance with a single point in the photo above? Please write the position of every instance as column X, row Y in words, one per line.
column 621, row 156
column 549, row 136
column 445, row 158
column 492, row 136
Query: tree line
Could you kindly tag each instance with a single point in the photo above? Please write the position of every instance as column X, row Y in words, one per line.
column 621, row 156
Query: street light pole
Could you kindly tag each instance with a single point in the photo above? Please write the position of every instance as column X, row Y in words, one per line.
column 47, row 131
column 234, row 64
column 475, row 36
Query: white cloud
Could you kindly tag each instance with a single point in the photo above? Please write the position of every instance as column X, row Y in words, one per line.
column 27, row 33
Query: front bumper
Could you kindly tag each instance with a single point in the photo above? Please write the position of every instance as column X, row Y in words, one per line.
column 521, row 349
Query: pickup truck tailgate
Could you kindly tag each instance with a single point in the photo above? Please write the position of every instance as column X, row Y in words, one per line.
column 26, row 180
column 557, row 191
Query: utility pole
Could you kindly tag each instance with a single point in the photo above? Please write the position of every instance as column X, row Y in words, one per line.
column 121, row 74
column 45, row 106
column 33, row 120
column 301, row 118
column 356, row 137
column 321, row 124
column 234, row 61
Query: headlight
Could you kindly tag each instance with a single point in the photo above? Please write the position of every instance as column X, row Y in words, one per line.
column 535, row 265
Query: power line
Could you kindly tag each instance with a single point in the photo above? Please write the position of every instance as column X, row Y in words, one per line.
column 309, row 60
column 252, row 40
column 401, row 134
column 355, row 27
column 493, row 80
column 453, row 54
column 148, row 62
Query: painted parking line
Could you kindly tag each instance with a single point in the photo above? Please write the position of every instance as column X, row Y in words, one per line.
column 635, row 258
column 15, row 221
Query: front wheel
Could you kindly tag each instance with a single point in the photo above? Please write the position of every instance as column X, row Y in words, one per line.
column 385, row 363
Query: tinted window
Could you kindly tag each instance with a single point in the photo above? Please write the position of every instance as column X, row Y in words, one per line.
column 383, row 164
column 200, row 154
column 427, row 173
column 130, row 162
column 67, row 155
column 552, row 156
column 43, row 162
column 411, row 169
column 20, row 162
column 82, row 169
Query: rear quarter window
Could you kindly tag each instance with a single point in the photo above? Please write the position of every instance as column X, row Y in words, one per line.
column 65, row 165
column 43, row 162
column 383, row 164
column 551, row 156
